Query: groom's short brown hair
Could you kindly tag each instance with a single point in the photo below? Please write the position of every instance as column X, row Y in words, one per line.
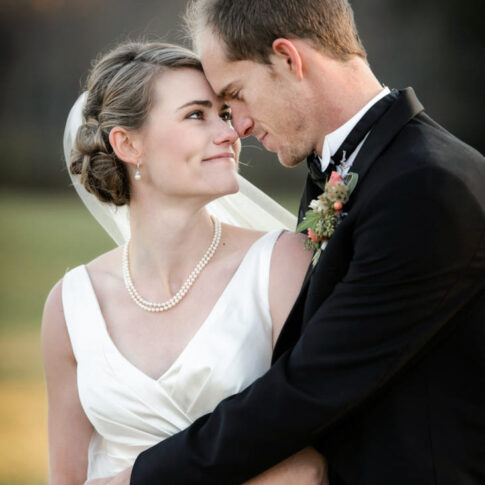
column 249, row 27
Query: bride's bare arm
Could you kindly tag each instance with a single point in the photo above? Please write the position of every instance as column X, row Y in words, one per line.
column 307, row 467
column 289, row 265
column 69, row 428
column 304, row 468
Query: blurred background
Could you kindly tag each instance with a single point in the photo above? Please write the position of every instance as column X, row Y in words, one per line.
column 438, row 47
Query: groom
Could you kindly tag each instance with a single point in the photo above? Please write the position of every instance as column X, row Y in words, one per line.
column 381, row 363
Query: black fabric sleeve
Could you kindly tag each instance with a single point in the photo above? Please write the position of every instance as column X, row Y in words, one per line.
column 418, row 257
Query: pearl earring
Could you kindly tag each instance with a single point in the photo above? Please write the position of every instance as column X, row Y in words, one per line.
column 137, row 173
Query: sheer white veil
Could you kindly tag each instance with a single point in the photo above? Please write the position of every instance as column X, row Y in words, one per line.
column 249, row 208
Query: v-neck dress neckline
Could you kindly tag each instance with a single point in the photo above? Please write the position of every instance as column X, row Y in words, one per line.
column 123, row 361
column 131, row 411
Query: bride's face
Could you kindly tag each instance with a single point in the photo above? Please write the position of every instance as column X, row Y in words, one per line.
column 189, row 147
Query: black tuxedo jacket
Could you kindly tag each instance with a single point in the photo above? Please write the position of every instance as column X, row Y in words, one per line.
column 381, row 363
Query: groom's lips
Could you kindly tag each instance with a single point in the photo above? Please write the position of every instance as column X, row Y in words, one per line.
column 262, row 137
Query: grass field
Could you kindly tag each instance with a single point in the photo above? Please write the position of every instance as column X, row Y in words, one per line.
column 41, row 237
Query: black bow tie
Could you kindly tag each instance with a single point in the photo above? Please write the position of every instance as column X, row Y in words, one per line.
column 352, row 141
column 315, row 170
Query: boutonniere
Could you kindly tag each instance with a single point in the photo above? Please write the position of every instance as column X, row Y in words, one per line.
column 325, row 212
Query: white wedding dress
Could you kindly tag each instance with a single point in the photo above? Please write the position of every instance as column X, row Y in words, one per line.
column 129, row 410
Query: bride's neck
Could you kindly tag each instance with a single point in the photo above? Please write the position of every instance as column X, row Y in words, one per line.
column 167, row 241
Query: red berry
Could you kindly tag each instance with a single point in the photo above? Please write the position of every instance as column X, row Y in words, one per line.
column 313, row 236
column 338, row 206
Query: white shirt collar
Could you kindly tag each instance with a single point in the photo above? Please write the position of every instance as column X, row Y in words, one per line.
column 334, row 140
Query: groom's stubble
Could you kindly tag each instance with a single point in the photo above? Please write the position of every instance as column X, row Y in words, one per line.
column 292, row 154
column 267, row 104
column 296, row 120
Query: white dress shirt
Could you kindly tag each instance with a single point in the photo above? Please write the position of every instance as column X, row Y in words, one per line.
column 334, row 140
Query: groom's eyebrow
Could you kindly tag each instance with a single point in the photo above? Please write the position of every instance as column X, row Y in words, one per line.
column 224, row 92
column 197, row 102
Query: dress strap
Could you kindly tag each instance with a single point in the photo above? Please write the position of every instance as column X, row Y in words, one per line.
column 81, row 312
column 255, row 271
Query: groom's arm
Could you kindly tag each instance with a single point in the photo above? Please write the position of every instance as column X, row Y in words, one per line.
column 418, row 257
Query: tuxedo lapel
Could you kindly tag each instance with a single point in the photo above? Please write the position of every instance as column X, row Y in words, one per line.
column 291, row 331
column 405, row 108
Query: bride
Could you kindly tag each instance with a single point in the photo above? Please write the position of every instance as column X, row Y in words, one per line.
column 148, row 337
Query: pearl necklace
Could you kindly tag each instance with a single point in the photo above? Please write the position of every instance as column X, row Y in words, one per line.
column 167, row 305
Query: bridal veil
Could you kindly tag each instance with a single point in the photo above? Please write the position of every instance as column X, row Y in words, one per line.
column 249, row 208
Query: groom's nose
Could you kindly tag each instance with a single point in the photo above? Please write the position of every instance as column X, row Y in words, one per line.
column 242, row 122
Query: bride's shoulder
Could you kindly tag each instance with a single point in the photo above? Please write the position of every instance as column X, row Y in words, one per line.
column 105, row 274
column 288, row 245
column 104, row 264
column 289, row 262
column 239, row 237
column 290, row 248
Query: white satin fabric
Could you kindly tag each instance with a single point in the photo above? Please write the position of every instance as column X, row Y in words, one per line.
column 129, row 410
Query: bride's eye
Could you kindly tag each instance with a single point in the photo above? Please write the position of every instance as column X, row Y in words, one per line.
column 235, row 95
column 196, row 115
column 226, row 116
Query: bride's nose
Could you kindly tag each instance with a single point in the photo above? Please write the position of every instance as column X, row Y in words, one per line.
column 227, row 134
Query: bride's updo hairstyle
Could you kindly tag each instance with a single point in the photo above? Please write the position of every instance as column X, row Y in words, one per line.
column 120, row 93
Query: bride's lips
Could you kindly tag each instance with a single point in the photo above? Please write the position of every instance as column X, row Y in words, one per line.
column 220, row 156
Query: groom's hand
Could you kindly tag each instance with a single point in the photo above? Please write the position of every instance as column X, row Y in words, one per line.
column 122, row 478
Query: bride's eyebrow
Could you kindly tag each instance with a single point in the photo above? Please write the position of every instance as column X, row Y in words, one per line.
column 197, row 102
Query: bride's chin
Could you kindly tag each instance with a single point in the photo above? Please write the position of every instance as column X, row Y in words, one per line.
column 227, row 190
column 234, row 186
column 224, row 185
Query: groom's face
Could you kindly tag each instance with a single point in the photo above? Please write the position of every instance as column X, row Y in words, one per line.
column 264, row 102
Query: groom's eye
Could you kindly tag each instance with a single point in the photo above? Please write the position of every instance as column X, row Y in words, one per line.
column 235, row 95
column 226, row 116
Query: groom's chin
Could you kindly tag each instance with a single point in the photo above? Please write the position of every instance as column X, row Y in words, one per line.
column 290, row 160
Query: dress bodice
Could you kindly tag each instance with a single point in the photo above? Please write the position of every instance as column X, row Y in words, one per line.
column 131, row 411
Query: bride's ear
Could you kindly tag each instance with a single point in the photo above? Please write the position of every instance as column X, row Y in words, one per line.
column 286, row 51
column 125, row 144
